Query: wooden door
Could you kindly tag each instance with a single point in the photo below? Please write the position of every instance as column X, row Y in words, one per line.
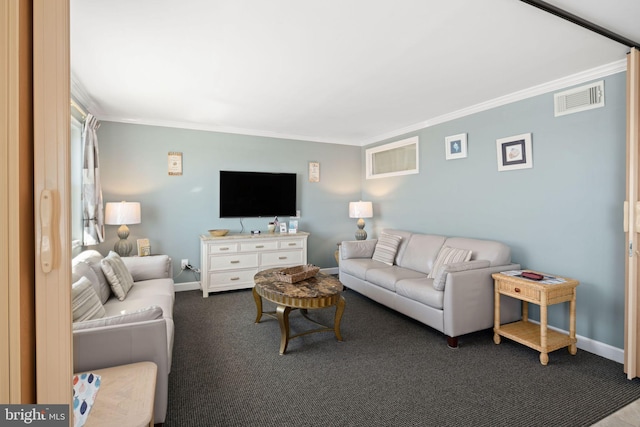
column 632, row 219
column 51, row 80
column 17, row 320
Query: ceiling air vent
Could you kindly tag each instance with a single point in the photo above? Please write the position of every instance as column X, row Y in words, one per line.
column 579, row 99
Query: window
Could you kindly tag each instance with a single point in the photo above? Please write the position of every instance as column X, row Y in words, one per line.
column 393, row 159
column 76, row 183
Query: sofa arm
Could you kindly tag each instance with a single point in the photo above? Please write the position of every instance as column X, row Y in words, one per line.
column 357, row 248
column 469, row 300
column 149, row 267
column 108, row 346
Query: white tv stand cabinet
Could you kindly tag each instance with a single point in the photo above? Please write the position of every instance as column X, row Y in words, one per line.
column 231, row 261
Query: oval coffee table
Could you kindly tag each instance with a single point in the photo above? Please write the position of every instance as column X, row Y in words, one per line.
column 321, row 291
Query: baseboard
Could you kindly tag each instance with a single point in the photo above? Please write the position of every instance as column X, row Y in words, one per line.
column 332, row 270
column 187, row 286
column 592, row 346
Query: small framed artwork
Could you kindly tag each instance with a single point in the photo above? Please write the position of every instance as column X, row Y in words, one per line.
column 175, row 163
column 455, row 147
column 293, row 226
column 314, row 172
column 514, row 152
column 144, row 248
column 283, row 227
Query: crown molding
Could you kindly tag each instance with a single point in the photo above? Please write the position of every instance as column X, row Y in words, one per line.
column 226, row 129
column 80, row 95
column 562, row 83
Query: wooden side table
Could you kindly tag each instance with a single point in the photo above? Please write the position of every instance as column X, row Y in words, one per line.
column 125, row 397
column 538, row 337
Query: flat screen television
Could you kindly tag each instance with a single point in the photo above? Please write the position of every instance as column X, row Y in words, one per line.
column 257, row 194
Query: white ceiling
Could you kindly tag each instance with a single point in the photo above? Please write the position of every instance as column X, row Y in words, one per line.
column 339, row 71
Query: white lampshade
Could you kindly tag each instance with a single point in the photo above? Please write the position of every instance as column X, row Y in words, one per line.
column 360, row 209
column 122, row 213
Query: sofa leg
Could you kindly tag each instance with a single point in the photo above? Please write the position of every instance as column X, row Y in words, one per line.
column 452, row 342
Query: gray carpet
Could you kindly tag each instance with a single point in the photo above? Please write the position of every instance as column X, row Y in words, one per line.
column 389, row 371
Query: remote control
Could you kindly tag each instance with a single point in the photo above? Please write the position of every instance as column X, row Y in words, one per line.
column 531, row 275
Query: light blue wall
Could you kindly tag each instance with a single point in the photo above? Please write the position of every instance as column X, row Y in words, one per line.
column 563, row 217
column 176, row 210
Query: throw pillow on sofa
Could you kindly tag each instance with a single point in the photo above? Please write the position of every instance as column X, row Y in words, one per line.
column 441, row 278
column 386, row 248
column 448, row 255
column 117, row 274
column 85, row 303
column 91, row 258
column 148, row 313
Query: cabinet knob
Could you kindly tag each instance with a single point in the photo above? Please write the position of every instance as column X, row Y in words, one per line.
column 235, row 262
column 224, row 249
column 282, row 257
column 292, row 244
column 517, row 290
column 235, row 278
column 259, row 246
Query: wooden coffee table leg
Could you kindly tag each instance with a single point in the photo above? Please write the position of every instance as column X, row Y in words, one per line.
column 258, row 300
column 336, row 323
column 283, row 318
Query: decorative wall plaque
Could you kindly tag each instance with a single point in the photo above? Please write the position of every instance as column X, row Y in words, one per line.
column 175, row 163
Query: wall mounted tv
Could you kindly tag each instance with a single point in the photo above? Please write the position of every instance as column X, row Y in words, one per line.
column 257, row 194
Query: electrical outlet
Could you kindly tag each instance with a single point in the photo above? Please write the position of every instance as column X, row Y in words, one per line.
column 184, row 263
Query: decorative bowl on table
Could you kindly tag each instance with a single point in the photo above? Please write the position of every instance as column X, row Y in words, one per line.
column 218, row 232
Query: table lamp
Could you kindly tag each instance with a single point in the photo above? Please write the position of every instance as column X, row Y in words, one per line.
column 360, row 210
column 121, row 214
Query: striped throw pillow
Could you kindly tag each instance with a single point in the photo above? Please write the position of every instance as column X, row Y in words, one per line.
column 448, row 255
column 85, row 303
column 117, row 275
column 386, row 248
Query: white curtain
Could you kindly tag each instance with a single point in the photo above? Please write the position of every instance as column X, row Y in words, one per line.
column 92, row 205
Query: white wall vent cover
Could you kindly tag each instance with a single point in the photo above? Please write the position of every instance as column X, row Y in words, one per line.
column 579, row 99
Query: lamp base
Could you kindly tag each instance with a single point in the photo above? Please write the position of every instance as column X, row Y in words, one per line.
column 123, row 247
column 360, row 233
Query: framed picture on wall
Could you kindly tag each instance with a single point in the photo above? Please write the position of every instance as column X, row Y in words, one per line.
column 514, row 152
column 314, row 172
column 455, row 147
column 175, row 163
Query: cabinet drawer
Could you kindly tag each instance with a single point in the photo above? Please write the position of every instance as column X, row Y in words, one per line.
column 520, row 291
column 233, row 261
column 231, row 277
column 291, row 244
column 222, row 248
column 258, row 246
column 282, row 258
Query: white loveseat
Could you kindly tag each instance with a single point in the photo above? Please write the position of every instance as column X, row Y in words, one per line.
column 456, row 299
column 137, row 328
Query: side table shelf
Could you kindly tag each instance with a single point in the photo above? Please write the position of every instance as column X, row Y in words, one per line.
column 538, row 337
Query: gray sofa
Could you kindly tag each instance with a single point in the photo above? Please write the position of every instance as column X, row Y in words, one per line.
column 135, row 329
column 464, row 300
